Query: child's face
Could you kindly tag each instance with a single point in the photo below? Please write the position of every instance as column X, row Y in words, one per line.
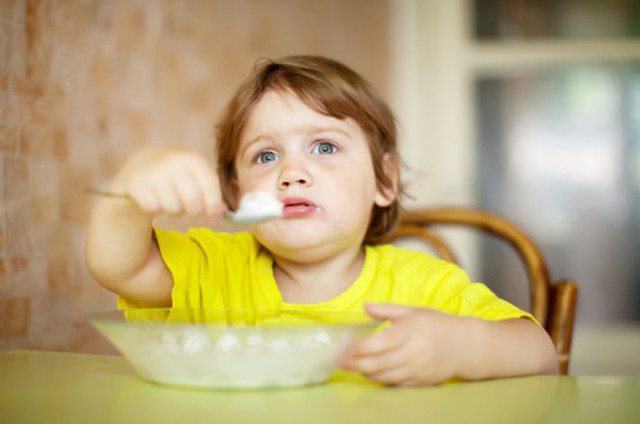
column 318, row 166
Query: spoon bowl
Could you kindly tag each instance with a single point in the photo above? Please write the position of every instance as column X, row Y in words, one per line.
column 256, row 207
column 250, row 218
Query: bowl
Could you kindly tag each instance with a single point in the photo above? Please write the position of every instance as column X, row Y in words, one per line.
column 224, row 348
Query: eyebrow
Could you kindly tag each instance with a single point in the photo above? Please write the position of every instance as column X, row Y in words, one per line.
column 243, row 150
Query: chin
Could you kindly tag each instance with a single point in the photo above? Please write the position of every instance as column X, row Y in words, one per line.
column 292, row 241
column 292, row 244
column 302, row 254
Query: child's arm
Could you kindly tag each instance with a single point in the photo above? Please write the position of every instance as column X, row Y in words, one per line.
column 425, row 346
column 120, row 250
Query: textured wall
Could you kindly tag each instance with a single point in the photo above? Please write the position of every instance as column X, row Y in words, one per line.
column 85, row 82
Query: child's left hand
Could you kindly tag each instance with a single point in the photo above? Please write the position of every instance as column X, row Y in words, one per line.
column 420, row 347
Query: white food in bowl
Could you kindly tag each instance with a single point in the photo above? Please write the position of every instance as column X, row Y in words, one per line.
column 229, row 356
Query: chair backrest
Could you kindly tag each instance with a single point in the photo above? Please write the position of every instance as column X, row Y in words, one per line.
column 553, row 303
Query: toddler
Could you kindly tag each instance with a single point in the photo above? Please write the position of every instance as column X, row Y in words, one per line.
column 314, row 134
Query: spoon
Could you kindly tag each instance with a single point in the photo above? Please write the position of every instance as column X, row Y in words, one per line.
column 255, row 206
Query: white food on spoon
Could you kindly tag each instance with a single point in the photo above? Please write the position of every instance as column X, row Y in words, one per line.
column 257, row 206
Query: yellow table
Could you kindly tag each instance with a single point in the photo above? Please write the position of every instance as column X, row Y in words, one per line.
column 48, row 387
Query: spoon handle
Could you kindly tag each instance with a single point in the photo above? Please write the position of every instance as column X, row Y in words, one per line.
column 97, row 192
column 230, row 216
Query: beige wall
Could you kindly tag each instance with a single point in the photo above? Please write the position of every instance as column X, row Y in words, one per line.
column 84, row 82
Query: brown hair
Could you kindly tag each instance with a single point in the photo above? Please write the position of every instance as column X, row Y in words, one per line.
column 330, row 88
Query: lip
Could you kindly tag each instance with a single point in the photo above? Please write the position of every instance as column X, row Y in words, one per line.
column 297, row 207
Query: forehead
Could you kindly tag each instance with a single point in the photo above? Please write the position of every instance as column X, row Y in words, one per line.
column 282, row 111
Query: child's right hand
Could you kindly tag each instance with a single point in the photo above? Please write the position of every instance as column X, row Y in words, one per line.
column 171, row 180
column 120, row 251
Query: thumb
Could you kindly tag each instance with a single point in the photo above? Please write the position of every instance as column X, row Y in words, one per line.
column 388, row 311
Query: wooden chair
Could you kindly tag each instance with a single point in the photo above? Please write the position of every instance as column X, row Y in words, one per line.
column 553, row 304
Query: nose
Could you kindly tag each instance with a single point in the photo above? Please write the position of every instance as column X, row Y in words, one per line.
column 293, row 174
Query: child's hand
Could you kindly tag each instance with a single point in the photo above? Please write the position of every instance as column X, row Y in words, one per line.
column 421, row 346
column 171, row 180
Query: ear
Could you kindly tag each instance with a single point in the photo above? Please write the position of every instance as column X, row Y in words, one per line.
column 385, row 195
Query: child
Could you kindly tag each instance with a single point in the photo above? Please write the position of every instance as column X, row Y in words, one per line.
column 314, row 134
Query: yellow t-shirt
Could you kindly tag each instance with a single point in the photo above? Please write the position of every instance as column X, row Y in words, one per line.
column 219, row 270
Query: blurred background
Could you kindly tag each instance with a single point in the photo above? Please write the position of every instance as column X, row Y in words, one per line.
column 527, row 108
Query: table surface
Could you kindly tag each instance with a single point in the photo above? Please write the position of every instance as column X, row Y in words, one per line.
column 38, row 386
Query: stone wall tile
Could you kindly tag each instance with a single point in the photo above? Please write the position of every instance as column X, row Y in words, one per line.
column 58, row 252
column 74, row 201
column 52, row 319
column 37, row 141
column 18, row 235
column 8, row 138
column 17, row 212
column 5, row 284
column 44, row 177
column 60, row 140
column 19, row 109
column 13, row 44
column 14, row 318
column 27, row 86
column 68, row 64
column 18, row 264
column 45, row 208
column 38, row 43
column 12, row 10
column 70, row 21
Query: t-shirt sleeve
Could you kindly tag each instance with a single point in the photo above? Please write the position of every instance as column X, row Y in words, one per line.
column 450, row 290
column 208, row 268
column 124, row 304
column 182, row 256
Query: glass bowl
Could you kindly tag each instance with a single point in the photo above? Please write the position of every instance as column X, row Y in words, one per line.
column 223, row 348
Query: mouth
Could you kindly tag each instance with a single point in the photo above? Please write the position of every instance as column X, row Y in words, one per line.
column 296, row 207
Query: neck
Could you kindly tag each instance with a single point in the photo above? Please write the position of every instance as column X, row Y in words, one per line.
column 316, row 282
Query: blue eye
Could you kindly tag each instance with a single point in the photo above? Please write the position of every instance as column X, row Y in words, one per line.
column 324, row 148
column 264, row 157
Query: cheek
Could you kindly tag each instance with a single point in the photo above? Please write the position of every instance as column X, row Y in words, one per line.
column 365, row 177
column 252, row 179
column 359, row 188
column 245, row 182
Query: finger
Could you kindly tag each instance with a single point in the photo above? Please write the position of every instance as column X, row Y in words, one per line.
column 376, row 363
column 397, row 376
column 388, row 311
column 402, row 374
column 208, row 182
column 190, row 193
column 415, row 382
column 146, row 200
column 378, row 343
column 423, row 379
column 169, row 199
